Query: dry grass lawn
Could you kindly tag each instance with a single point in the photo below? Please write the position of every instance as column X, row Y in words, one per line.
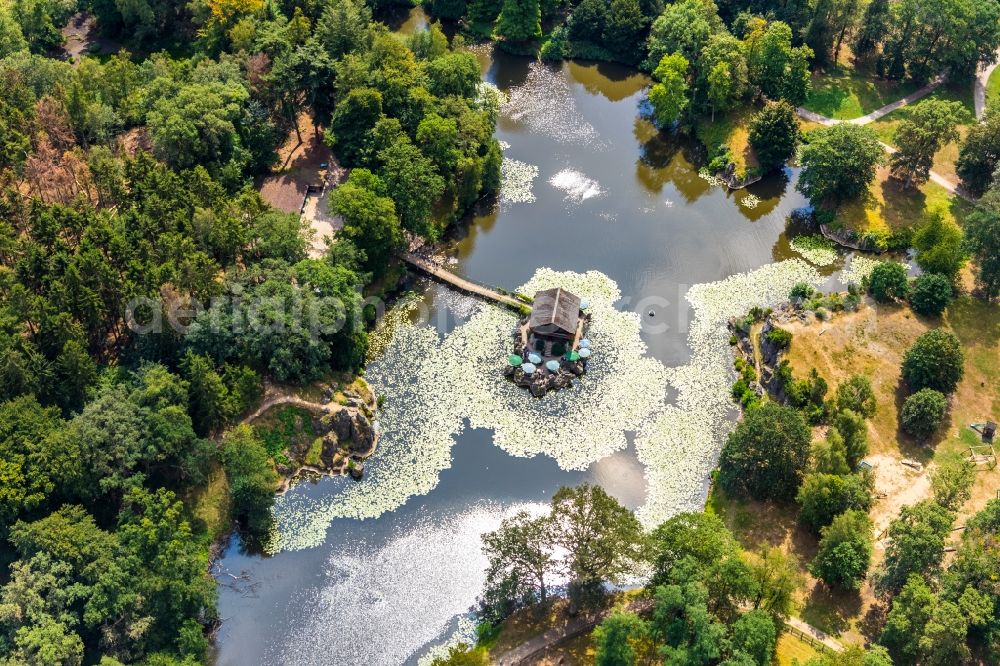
column 730, row 131
column 792, row 651
column 944, row 160
column 872, row 341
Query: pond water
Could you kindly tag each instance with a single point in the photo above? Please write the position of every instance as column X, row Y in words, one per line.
column 378, row 572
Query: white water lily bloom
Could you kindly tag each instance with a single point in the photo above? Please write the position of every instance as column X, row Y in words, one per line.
column 710, row 178
column 816, row 249
column 750, row 201
column 517, row 179
column 861, row 268
column 577, row 186
column 623, row 391
column 680, row 446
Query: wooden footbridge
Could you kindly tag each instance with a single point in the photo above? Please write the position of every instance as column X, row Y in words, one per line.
column 461, row 284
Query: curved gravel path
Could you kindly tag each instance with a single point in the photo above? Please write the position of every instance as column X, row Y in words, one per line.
column 950, row 186
column 877, row 113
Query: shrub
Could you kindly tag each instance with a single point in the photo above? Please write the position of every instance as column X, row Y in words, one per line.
column 766, row 456
column 853, row 430
column 857, row 395
column 935, row 360
column 845, row 551
column 939, row 245
column 931, row 294
column 888, row 282
column 829, row 456
column 805, row 393
column 801, row 290
column 822, row 497
column 779, row 337
column 952, row 480
column 923, row 412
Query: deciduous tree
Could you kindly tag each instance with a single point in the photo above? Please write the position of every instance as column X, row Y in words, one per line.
column 669, row 95
column 839, row 163
column 774, row 134
column 766, row 456
column 935, row 360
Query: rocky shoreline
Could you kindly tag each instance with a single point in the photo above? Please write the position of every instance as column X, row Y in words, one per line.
column 346, row 435
column 766, row 363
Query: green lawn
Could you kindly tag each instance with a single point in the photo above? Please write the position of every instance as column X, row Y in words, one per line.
column 843, row 92
column 888, row 208
column 993, row 89
column 944, row 161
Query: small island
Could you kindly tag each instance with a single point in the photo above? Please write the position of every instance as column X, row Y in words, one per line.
column 550, row 347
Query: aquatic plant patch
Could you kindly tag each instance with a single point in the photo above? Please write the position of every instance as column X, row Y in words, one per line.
column 816, row 249
column 544, row 103
column 680, row 445
column 710, row 178
column 434, row 386
column 861, row 267
column 517, row 179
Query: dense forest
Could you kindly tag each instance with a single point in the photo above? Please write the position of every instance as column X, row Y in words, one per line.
column 147, row 291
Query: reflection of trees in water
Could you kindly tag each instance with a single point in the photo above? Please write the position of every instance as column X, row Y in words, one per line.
column 612, row 81
column 667, row 157
column 508, row 71
column 769, row 190
column 481, row 219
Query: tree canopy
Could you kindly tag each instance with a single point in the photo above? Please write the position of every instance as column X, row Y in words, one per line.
column 766, row 456
column 839, row 162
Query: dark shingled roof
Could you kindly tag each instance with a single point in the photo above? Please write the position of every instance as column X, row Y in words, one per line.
column 555, row 311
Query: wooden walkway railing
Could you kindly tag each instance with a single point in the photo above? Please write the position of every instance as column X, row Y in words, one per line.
column 461, row 284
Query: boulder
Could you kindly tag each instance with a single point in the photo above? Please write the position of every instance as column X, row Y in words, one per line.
column 357, row 471
column 362, row 434
column 337, row 422
column 330, row 447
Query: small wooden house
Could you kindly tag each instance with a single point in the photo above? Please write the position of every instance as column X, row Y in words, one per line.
column 555, row 315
